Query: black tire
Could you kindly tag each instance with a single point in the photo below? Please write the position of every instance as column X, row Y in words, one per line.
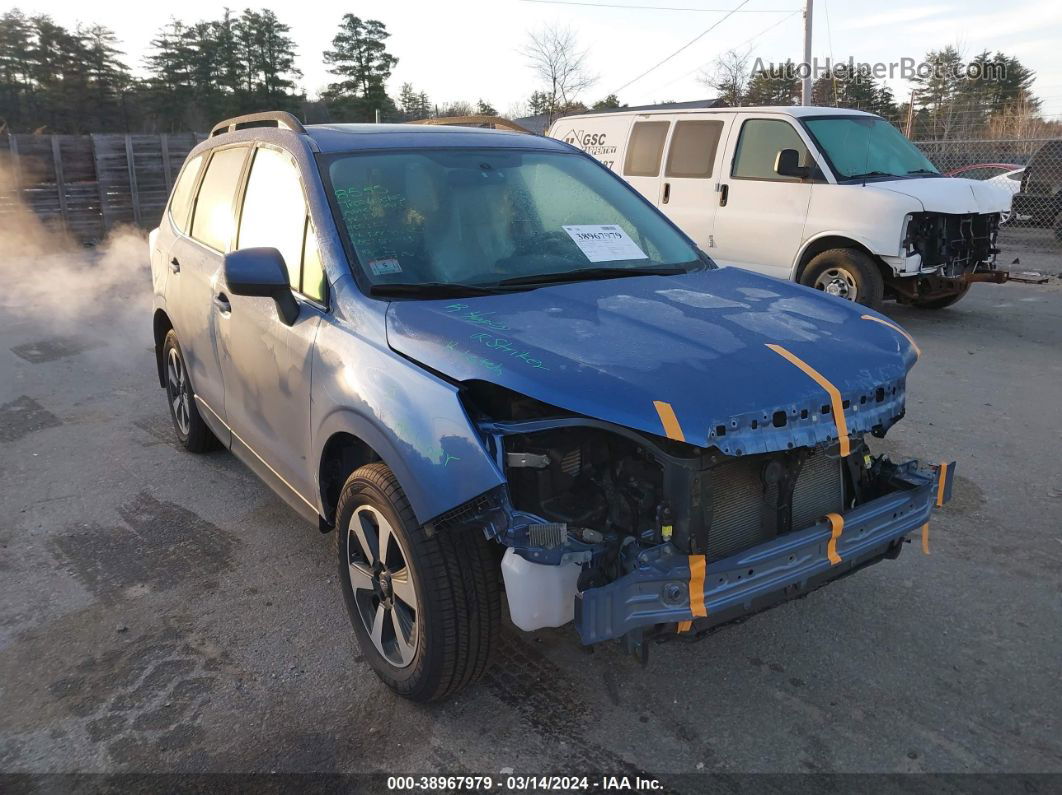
column 940, row 302
column 851, row 271
column 457, row 615
column 192, row 432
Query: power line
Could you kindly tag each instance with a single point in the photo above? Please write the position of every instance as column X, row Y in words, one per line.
column 690, row 43
column 749, row 40
column 654, row 8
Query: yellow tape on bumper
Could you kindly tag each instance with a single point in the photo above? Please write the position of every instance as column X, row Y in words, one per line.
column 925, row 538
column 836, row 528
column 836, row 403
column 941, row 478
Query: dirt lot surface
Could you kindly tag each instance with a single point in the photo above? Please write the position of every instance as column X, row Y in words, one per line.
column 161, row 611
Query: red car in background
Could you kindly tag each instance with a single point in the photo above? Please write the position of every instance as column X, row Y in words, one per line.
column 982, row 170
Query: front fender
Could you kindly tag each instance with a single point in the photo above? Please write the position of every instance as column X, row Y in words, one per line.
column 411, row 419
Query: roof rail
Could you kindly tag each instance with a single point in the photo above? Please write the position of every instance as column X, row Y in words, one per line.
column 283, row 119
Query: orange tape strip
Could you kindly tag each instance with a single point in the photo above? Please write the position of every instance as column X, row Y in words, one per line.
column 894, row 327
column 835, row 397
column 697, row 566
column 836, row 528
column 925, row 538
column 684, row 626
column 941, row 477
column 672, row 429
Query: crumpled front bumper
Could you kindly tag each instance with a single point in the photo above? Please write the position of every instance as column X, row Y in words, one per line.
column 669, row 587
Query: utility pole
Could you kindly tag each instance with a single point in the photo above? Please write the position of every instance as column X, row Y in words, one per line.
column 910, row 116
column 805, row 84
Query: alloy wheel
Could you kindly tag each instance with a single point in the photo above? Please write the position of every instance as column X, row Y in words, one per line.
column 382, row 582
column 178, row 392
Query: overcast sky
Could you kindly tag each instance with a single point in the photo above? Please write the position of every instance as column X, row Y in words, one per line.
column 466, row 49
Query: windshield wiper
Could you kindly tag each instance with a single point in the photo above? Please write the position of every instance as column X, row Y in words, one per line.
column 586, row 274
column 430, row 290
column 871, row 174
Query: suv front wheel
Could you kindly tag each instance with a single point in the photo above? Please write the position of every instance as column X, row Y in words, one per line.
column 426, row 610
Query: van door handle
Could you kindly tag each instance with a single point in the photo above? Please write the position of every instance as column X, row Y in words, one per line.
column 221, row 301
column 667, row 192
column 175, row 266
column 724, row 191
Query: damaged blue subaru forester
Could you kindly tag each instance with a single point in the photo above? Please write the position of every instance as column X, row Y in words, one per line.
column 492, row 367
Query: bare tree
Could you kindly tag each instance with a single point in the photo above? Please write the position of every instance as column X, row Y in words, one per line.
column 729, row 76
column 553, row 54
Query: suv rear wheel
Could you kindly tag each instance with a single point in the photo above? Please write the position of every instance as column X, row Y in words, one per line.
column 192, row 432
column 847, row 273
column 426, row 610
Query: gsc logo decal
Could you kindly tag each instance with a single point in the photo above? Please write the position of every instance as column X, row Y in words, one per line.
column 583, row 140
column 591, row 143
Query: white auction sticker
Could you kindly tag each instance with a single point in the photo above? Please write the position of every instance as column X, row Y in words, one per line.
column 384, row 267
column 604, row 242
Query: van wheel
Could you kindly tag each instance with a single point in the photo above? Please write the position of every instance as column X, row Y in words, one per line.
column 425, row 610
column 847, row 273
column 192, row 432
column 940, row 302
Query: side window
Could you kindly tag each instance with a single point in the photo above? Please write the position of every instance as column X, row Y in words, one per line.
column 758, row 146
column 313, row 275
column 644, row 148
column 693, row 146
column 274, row 210
column 181, row 199
column 213, row 222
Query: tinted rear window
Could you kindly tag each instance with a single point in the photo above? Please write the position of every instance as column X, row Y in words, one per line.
column 182, row 192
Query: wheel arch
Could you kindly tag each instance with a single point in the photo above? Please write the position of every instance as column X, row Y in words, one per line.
column 342, row 453
column 826, row 242
column 161, row 326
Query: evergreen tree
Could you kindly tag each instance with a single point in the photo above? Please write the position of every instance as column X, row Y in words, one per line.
column 360, row 59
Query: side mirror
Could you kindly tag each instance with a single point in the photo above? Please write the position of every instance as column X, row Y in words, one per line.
column 262, row 272
column 787, row 164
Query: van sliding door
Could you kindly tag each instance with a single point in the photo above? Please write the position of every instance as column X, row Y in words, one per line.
column 688, row 194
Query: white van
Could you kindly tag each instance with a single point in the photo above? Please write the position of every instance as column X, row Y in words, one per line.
column 832, row 198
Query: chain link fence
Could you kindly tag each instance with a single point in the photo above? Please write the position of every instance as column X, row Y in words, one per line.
column 1031, row 169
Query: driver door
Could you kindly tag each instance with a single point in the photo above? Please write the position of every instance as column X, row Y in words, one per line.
column 267, row 363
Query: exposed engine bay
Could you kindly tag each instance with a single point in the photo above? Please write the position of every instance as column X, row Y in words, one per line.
column 596, row 504
column 957, row 244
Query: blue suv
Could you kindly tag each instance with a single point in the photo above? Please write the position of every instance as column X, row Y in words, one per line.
column 490, row 366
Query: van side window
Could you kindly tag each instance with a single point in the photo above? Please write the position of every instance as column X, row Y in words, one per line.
column 644, row 149
column 213, row 222
column 758, row 146
column 274, row 210
column 692, row 150
column 181, row 199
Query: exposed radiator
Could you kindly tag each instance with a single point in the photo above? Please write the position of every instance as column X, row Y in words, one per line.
column 744, row 508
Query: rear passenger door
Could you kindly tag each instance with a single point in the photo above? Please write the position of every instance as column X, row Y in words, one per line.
column 196, row 267
column 266, row 362
column 689, row 196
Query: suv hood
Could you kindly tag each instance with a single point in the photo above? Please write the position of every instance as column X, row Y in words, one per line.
column 617, row 349
column 952, row 195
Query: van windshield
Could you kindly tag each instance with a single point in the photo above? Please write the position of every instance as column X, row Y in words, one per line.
column 496, row 218
column 866, row 146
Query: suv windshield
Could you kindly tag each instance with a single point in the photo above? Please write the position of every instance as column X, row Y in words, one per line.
column 496, row 218
column 866, row 146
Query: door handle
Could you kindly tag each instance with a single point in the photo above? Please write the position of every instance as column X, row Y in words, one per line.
column 221, row 301
column 667, row 192
column 724, row 191
column 175, row 266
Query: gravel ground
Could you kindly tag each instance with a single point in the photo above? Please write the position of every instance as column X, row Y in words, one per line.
column 165, row 612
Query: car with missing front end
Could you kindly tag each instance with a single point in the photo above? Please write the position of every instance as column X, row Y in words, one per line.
column 496, row 374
